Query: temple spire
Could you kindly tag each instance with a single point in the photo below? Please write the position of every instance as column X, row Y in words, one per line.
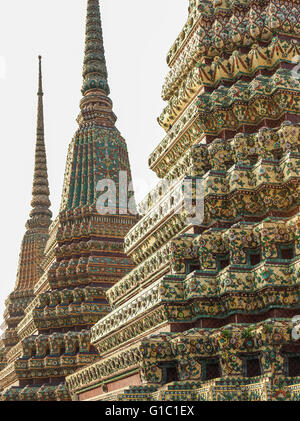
column 40, row 214
column 95, row 105
column 94, row 69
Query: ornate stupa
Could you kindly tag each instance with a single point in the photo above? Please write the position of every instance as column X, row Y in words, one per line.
column 197, row 299
column 30, row 267
column 207, row 313
column 84, row 255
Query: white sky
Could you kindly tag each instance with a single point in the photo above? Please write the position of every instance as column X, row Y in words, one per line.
column 137, row 37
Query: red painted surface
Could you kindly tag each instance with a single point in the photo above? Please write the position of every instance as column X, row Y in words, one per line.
column 135, row 379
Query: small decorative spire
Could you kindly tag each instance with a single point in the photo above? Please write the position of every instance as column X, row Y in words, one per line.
column 40, row 214
column 94, row 69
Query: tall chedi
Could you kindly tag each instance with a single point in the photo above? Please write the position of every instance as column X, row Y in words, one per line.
column 34, row 241
column 208, row 312
column 85, row 252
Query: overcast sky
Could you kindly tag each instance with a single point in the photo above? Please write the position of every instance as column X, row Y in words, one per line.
column 137, row 37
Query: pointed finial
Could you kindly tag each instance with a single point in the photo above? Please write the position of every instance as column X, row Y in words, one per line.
column 40, row 91
column 40, row 119
column 94, row 69
column 40, row 214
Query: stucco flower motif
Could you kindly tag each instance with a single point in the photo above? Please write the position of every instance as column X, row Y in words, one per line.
column 208, row 348
column 249, row 343
column 266, row 275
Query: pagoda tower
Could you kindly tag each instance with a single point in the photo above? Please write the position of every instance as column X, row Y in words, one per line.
column 85, row 251
column 207, row 314
column 36, row 236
